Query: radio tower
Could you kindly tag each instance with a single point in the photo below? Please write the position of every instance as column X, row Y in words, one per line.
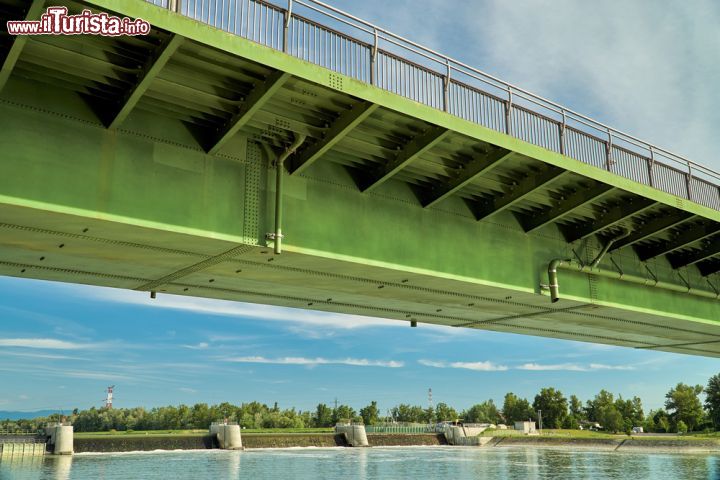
column 431, row 407
column 109, row 398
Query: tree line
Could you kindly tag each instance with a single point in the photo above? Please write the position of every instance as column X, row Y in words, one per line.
column 683, row 412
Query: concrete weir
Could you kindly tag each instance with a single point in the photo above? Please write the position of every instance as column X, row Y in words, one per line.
column 227, row 434
column 354, row 434
column 24, row 449
column 60, row 438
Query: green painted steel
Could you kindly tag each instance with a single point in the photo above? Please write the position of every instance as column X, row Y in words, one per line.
column 144, row 206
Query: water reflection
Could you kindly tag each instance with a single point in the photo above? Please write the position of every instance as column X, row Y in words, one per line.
column 233, row 470
column 368, row 464
column 60, row 467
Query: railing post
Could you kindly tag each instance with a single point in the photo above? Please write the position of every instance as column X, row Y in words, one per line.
column 508, row 113
column 688, row 181
column 650, row 166
column 174, row 5
column 446, row 87
column 373, row 59
column 286, row 26
column 562, row 133
column 609, row 160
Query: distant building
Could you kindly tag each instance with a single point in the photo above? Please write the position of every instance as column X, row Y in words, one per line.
column 525, row 427
column 638, row 430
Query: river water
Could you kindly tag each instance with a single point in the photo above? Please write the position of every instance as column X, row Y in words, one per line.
column 453, row 463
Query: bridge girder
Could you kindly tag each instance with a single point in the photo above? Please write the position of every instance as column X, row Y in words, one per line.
column 147, row 75
column 577, row 199
column 609, row 218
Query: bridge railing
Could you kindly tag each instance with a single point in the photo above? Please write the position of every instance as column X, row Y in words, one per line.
column 321, row 34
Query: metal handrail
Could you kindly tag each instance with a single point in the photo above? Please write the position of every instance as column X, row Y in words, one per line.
column 401, row 76
column 515, row 89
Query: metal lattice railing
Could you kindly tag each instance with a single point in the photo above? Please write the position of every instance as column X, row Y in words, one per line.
column 321, row 34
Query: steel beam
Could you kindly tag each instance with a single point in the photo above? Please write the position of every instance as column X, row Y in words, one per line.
column 653, row 227
column 686, row 238
column 152, row 68
column 566, row 206
column 33, row 13
column 254, row 102
column 498, row 203
column 345, row 123
column 709, row 267
column 413, row 149
column 706, row 252
column 464, row 175
column 195, row 267
column 614, row 216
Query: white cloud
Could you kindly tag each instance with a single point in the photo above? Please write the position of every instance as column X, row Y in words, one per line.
column 476, row 366
column 492, row 367
column 239, row 309
column 187, row 390
column 43, row 356
column 572, row 367
column 567, row 367
column 44, row 343
column 199, row 346
column 646, row 69
column 600, row 366
column 356, row 362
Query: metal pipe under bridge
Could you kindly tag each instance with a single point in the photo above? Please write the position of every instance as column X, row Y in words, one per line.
column 409, row 185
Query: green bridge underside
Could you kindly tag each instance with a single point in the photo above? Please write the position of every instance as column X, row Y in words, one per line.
column 147, row 163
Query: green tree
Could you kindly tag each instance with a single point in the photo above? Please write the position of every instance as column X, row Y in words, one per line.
column 649, row 424
column 681, row 427
column 712, row 400
column 631, row 411
column 408, row 413
column 553, row 405
column 661, row 420
column 343, row 413
column 323, row 416
column 601, row 400
column 684, row 405
column 485, row 412
column 610, row 419
column 445, row 413
column 516, row 409
column 576, row 408
column 370, row 413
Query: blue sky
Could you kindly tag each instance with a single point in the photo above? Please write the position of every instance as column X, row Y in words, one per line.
column 645, row 67
column 61, row 345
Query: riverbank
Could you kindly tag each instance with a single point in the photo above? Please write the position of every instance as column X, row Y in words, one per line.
column 616, row 444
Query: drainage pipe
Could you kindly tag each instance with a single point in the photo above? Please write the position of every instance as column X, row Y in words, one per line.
column 625, row 233
column 279, row 174
column 568, row 264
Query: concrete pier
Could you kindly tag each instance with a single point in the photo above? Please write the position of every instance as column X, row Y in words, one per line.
column 354, row 434
column 60, row 438
column 228, row 435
